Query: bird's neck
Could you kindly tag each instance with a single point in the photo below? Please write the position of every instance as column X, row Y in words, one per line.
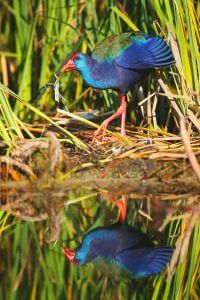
column 84, row 64
column 97, row 242
column 93, row 72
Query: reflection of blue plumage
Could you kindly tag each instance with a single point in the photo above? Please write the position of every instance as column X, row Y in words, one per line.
column 143, row 262
column 121, row 246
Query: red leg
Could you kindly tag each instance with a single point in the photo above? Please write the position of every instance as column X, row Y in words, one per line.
column 120, row 203
column 122, row 206
column 120, row 112
column 123, row 120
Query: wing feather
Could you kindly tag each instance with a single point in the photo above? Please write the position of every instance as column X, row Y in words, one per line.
column 148, row 52
column 144, row 261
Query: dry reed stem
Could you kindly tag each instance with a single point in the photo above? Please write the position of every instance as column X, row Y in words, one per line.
column 25, row 149
column 55, row 152
column 24, row 167
column 171, row 98
column 188, row 148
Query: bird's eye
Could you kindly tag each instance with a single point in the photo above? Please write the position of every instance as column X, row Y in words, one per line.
column 77, row 58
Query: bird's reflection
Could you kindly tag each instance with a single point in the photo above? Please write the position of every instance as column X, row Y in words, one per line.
column 120, row 249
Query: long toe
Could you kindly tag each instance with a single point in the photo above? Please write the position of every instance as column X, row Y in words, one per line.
column 99, row 133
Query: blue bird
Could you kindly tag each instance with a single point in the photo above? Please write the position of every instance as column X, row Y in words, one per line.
column 118, row 62
column 120, row 249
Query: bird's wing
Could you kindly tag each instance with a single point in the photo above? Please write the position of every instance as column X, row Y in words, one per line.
column 111, row 47
column 111, row 268
column 145, row 52
column 144, row 261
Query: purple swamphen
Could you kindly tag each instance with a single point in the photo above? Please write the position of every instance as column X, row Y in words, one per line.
column 121, row 251
column 118, row 62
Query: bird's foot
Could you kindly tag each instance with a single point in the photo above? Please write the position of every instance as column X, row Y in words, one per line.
column 102, row 139
column 99, row 134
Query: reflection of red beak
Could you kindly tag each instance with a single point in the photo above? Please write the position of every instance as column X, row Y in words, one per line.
column 70, row 255
column 69, row 64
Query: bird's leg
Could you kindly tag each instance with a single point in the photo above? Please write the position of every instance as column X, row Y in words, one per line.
column 123, row 120
column 120, row 203
column 122, row 206
column 120, row 112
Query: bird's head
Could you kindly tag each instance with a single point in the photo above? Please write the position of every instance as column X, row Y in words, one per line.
column 80, row 256
column 70, row 255
column 77, row 61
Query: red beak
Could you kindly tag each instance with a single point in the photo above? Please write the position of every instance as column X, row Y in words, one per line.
column 70, row 255
column 69, row 64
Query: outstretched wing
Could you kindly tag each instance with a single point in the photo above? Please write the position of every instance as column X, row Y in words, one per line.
column 144, row 262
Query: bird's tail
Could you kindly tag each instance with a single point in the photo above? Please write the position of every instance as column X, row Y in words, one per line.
column 161, row 257
column 161, row 52
column 142, row 262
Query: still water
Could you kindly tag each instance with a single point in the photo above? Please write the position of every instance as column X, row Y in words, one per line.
column 40, row 219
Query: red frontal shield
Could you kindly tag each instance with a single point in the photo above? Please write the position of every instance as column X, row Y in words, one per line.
column 70, row 255
column 69, row 65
